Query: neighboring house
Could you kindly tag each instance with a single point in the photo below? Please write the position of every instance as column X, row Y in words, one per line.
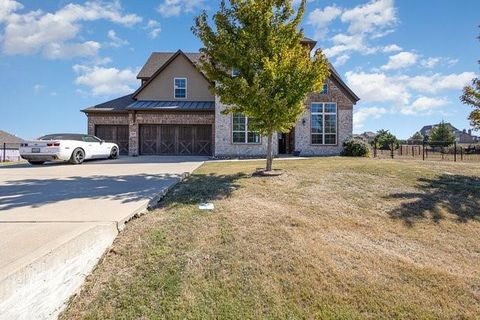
column 174, row 113
column 367, row 136
column 461, row 136
column 9, row 145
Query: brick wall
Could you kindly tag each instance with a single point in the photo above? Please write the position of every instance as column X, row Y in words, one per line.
column 114, row 119
column 344, row 122
column 224, row 147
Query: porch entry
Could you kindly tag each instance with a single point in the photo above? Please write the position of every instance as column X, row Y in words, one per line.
column 286, row 142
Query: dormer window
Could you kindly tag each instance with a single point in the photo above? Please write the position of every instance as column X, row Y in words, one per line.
column 325, row 89
column 180, row 88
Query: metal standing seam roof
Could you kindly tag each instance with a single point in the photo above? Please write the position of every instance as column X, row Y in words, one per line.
column 172, row 105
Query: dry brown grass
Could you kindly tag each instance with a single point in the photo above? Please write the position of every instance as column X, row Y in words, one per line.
column 333, row 238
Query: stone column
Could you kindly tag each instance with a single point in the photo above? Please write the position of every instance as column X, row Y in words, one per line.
column 133, row 134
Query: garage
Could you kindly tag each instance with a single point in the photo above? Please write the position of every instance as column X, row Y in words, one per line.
column 114, row 133
column 176, row 140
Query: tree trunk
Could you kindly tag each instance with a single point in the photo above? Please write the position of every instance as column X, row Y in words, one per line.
column 269, row 153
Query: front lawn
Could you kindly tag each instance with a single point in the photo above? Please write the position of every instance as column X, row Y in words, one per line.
column 333, row 238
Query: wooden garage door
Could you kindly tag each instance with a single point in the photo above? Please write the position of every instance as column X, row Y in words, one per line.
column 115, row 134
column 176, row 139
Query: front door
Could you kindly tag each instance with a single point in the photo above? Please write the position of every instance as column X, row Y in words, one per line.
column 286, row 142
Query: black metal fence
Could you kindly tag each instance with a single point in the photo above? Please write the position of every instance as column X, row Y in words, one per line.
column 9, row 152
column 429, row 150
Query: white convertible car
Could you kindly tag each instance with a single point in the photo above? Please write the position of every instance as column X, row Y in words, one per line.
column 74, row 148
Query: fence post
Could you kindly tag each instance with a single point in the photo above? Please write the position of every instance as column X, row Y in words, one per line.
column 375, row 148
column 4, row 151
column 423, row 150
column 461, row 153
column 455, row 152
column 392, row 150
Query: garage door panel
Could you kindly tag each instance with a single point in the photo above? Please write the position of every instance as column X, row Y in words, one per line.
column 176, row 139
column 167, row 140
column 114, row 133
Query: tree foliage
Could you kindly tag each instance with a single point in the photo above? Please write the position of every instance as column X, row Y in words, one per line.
column 355, row 148
column 417, row 136
column 471, row 96
column 441, row 135
column 385, row 140
column 261, row 41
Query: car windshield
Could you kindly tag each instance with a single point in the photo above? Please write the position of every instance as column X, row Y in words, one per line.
column 91, row 139
column 76, row 137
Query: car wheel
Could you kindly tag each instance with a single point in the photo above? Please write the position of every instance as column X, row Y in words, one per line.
column 36, row 163
column 78, row 155
column 114, row 153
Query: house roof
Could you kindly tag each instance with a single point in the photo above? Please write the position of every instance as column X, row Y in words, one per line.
column 158, row 59
column 430, row 127
column 127, row 103
column 173, row 105
column 162, row 67
column 335, row 75
column 118, row 104
column 8, row 138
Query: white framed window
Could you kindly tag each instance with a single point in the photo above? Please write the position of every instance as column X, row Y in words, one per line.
column 240, row 131
column 325, row 89
column 324, row 123
column 180, row 88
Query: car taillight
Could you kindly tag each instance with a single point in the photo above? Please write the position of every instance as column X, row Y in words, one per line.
column 56, row 144
column 23, row 144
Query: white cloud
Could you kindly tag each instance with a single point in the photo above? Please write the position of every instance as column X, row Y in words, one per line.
column 7, row 7
column 360, row 116
column 372, row 17
column 377, row 87
column 401, row 60
column 60, row 50
column 171, row 8
column 320, row 19
column 365, row 23
column 437, row 82
column 106, row 81
column 153, row 28
column 430, row 63
column 391, row 48
column 38, row 87
column 54, row 34
column 397, row 91
column 424, row 106
column 341, row 60
column 115, row 41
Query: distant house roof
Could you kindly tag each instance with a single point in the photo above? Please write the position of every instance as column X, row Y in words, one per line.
column 426, row 129
column 8, row 138
column 172, row 105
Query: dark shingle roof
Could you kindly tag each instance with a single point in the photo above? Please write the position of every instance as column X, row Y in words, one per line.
column 158, row 59
column 119, row 104
column 172, row 105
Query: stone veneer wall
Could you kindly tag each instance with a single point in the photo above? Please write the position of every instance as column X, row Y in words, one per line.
column 111, row 118
column 224, row 147
column 344, row 122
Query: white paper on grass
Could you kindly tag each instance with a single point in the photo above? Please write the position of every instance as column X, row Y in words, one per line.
column 206, row 206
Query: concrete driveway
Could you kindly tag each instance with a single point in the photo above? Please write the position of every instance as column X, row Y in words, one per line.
column 56, row 221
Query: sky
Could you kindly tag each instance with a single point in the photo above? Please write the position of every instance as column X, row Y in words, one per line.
column 406, row 59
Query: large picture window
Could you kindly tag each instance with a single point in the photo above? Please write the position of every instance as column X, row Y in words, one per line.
column 180, row 85
column 324, row 123
column 240, row 131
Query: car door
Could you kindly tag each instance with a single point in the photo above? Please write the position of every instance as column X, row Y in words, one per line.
column 93, row 147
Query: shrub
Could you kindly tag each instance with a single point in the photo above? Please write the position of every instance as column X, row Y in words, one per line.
column 355, row 148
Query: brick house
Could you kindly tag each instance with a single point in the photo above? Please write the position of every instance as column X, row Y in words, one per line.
column 174, row 113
